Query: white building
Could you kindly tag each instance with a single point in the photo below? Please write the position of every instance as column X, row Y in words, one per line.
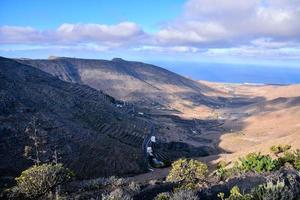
column 153, row 139
column 150, row 151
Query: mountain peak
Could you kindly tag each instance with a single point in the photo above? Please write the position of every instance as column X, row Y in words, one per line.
column 118, row 60
column 53, row 57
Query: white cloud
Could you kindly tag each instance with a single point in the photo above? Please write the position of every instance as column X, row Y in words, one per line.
column 99, row 32
column 215, row 27
column 192, row 32
column 109, row 35
column 206, row 23
column 218, row 9
column 21, row 35
column 269, row 43
column 254, row 52
column 164, row 49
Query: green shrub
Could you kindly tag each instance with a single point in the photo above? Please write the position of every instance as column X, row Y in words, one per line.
column 277, row 149
column 235, row 194
column 184, row 194
column 163, row 196
column 297, row 159
column 12, row 193
column 116, row 182
column 221, row 172
column 287, row 157
column 297, row 165
column 271, row 191
column 181, row 194
column 235, row 170
column 224, row 173
column 117, row 194
column 39, row 180
column 188, row 171
column 258, row 163
column 134, row 187
column 292, row 157
column 267, row 191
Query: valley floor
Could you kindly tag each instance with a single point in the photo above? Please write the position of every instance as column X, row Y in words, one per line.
column 252, row 119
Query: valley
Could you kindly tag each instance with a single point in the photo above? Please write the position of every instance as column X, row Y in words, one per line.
column 150, row 100
column 100, row 115
column 214, row 116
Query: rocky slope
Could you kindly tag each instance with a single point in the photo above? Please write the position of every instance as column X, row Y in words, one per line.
column 169, row 101
column 127, row 80
column 93, row 137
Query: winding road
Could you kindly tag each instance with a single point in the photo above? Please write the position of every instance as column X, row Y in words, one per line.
column 147, row 143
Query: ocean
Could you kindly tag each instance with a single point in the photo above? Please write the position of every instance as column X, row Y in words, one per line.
column 236, row 73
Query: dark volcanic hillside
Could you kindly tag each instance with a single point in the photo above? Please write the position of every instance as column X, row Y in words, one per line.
column 92, row 136
column 176, row 105
column 126, row 80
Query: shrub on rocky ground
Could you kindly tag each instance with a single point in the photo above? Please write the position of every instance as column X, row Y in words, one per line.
column 40, row 180
column 134, row 186
column 235, row 194
column 283, row 184
column 297, row 164
column 12, row 193
column 258, row 163
column 116, row 182
column 289, row 176
column 277, row 149
column 273, row 191
column 189, row 172
column 287, row 157
column 178, row 195
column 163, row 196
column 184, row 194
column 223, row 172
column 291, row 157
column 117, row 194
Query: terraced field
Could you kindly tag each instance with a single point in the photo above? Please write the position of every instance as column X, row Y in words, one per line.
column 93, row 136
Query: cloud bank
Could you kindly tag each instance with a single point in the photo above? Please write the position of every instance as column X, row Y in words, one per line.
column 69, row 34
column 205, row 27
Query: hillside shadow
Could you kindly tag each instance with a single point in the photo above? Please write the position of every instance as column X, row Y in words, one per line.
column 203, row 136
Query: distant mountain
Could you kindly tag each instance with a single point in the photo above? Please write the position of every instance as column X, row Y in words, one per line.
column 126, row 80
column 93, row 137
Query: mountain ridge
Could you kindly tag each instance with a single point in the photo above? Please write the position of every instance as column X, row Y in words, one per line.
column 126, row 80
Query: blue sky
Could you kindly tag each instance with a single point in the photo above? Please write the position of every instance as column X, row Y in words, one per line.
column 51, row 14
column 263, row 32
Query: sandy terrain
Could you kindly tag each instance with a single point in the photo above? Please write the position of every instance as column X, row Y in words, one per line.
column 254, row 128
column 273, row 119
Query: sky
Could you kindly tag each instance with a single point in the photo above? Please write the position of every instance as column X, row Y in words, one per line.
column 263, row 32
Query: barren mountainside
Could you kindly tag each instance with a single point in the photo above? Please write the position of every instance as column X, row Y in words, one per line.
column 92, row 136
column 126, row 80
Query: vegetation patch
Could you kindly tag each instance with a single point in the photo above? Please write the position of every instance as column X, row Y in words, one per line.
column 191, row 173
column 40, row 180
column 277, row 149
column 178, row 195
column 291, row 157
column 259, row 163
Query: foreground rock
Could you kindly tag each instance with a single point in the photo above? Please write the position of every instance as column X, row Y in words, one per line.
column 246, row 183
